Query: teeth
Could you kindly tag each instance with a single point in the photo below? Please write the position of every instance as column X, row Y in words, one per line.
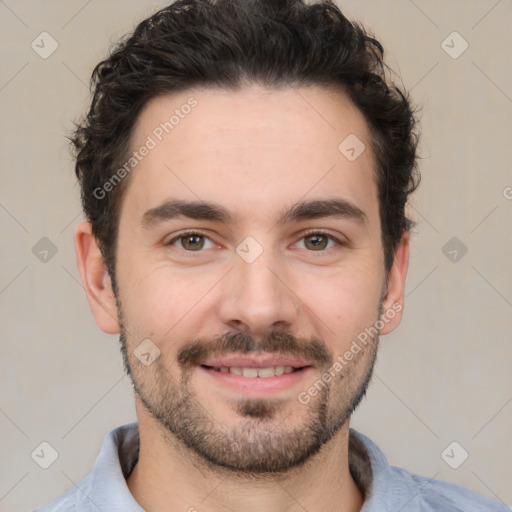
column 250, row 372
column 266, row 372
column 256, row 372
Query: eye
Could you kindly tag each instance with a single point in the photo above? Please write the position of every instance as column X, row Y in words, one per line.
column 191, row 241
column 319, row 241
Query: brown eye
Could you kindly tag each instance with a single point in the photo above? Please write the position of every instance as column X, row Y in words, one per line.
column 316, row 242
column 192, row 242
column 319, row 241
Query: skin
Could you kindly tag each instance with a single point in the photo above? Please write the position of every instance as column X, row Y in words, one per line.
column 255, row 152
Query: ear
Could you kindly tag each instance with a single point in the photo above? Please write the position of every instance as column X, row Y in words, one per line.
column 96, row 279
column 393, row 303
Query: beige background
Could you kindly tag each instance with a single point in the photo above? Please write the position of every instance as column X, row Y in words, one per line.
column 443, row 376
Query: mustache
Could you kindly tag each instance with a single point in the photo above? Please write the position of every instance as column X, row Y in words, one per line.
column 276, row 343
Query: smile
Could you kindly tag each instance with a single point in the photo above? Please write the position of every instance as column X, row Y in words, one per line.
column 271, row 371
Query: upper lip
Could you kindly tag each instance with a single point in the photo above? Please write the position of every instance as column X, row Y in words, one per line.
column 247, row 361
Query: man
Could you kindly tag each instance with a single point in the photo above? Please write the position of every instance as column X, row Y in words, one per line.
column 244, row 170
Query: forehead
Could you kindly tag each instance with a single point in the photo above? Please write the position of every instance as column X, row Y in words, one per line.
column 252, row 148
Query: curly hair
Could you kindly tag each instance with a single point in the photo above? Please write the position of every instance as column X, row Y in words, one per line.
column 229, row 44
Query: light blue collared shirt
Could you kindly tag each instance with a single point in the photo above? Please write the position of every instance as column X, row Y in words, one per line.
column 386, row 488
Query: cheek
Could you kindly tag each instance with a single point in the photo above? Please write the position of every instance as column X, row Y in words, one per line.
column 158, row 303
column 345, row 304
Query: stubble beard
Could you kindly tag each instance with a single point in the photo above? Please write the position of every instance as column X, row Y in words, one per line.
column 262, row 442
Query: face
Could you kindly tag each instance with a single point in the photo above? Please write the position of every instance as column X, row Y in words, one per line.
column 249, row 244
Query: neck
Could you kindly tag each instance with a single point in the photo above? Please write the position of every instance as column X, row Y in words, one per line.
column 169, row 477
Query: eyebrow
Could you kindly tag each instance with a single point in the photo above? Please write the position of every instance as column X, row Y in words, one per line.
column 202, row 210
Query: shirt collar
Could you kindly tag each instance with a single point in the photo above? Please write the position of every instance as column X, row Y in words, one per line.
column 105, row 487
column 385, row 487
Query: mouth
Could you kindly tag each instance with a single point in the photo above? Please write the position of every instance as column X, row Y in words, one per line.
column 257, row 378
column 259, row 372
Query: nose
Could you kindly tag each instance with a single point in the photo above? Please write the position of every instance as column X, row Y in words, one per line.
column 256, row 298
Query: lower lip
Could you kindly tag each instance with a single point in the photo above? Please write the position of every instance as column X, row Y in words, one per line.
column 252, row 386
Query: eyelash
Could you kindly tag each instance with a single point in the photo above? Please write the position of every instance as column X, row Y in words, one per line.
column 184, row 234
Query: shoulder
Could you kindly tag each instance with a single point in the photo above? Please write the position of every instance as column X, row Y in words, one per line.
column 436, row 495
column 105, row 485
column 394, row 488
